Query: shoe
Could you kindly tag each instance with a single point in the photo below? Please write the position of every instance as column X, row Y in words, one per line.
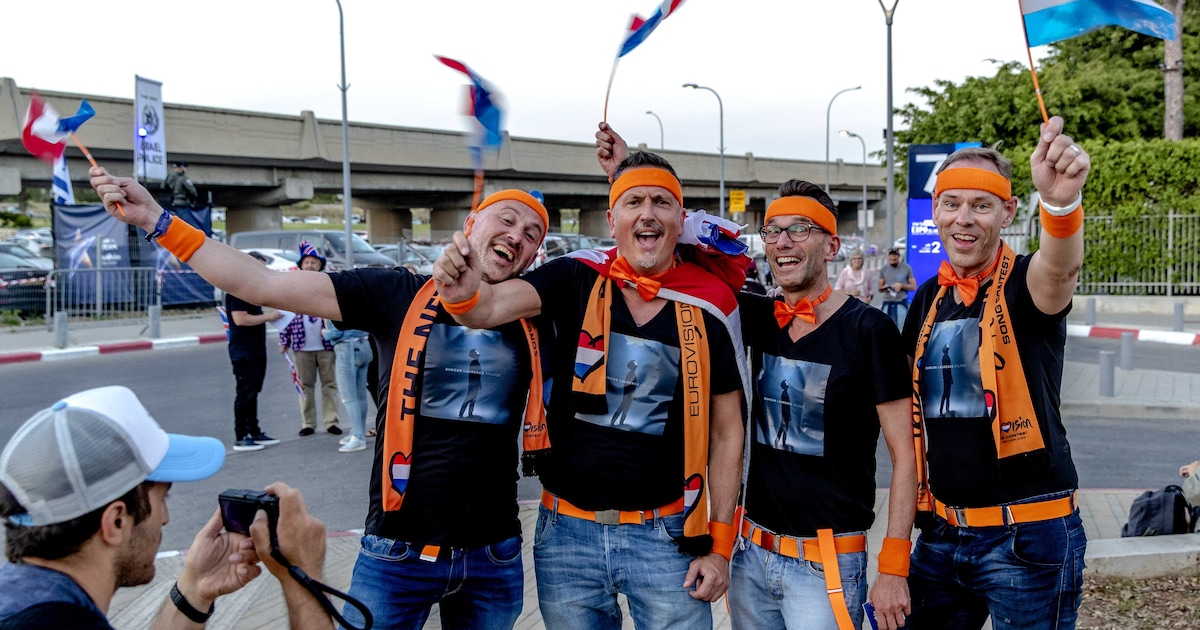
column 335, row 430
column 247, row 444
column 345, row 439
column 355, row 444
column 264, row 439
column 307, row 431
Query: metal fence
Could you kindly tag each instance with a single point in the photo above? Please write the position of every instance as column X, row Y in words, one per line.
column 1141, row 255
column 95, row 296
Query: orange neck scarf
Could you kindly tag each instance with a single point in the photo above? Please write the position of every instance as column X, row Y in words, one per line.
column 647, row 286
column 968, row 287
column 805, row 309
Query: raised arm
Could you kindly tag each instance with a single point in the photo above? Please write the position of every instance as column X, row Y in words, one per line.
column 611, row 149
column 307, row 292
column 1059, row 168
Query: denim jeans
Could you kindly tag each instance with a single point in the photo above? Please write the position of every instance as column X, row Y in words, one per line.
column 581, row 566
column 474, row 588
column 770, row 590
column 351, row 374
column 897, row 311
column 1027, row 576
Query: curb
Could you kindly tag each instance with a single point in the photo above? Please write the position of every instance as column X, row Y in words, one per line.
column 110, row 348
column 1157, row 336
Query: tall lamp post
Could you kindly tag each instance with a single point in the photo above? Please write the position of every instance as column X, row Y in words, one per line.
column 827, row 110
column 661, row 146
column 721, row 110
column 345, row 147
column 862, row 224
column 891, row 146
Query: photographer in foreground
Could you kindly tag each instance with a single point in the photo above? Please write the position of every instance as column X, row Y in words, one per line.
column 84, row 503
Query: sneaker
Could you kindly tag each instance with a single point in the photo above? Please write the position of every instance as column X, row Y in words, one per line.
column 355, row 444
column 335, row 430
column 247, row 444
column 345, row 439
column 306, row 431
column 264, row 439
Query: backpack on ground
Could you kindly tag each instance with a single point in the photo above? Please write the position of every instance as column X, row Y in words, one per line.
column 1158, row 513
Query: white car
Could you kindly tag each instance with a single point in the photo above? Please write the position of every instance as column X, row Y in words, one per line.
column 315, row 220
column 278, row 260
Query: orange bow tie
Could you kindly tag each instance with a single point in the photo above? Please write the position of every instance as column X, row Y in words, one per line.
column 805, row 309
column 968, row 288
column 647, row 286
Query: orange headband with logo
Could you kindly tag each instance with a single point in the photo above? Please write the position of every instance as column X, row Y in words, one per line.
column 520, row 196
column 804, row 207
column 647, row 176
column 967, row 178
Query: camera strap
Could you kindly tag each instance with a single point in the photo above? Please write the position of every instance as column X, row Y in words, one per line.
column 316, row 588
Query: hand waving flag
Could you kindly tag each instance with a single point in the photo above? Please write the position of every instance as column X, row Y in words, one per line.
column 45, row 135
column 638, row 30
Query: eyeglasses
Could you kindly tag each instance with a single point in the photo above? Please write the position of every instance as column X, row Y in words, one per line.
column 797, row 232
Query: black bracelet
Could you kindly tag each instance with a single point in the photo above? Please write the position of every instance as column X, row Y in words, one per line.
column 186, row 607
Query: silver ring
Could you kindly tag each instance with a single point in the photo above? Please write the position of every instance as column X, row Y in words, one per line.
column 1076, row 149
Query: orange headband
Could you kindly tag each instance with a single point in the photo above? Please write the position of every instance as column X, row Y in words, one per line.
column 967, row 178
column 805, row 207
column 647, row 176
column 520, row 196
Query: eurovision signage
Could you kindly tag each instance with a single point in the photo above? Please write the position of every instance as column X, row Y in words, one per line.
column 925, row 253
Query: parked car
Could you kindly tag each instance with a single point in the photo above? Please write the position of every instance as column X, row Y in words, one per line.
column 559, row 243
column 278, row 260
column 331, row 244
column 414, row 259
column 292, row 219
column 22, row 252
column 901, row 243
column 315, row 220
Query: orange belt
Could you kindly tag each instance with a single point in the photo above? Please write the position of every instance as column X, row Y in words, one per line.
column 1006, row 514
column 823, row 549
column 611, row 517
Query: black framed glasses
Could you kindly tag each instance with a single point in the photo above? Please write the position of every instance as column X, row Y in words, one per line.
column 797, row 232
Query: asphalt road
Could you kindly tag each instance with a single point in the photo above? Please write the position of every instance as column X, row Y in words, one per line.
column 190, row 390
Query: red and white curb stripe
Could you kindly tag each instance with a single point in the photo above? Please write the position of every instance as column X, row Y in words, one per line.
column 109, row 348
column 1157, row 336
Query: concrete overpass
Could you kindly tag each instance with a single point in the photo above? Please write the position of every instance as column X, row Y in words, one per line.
column 252, row 163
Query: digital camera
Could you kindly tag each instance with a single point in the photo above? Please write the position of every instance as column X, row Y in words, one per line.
column 238, row 508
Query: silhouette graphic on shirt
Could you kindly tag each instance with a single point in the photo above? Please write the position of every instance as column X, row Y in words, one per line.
column 474, row 382
column 785, row 416
column 947, row 381
column 631, row 384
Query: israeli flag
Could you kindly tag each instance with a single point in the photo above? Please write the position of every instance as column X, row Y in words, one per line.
column 60, row 185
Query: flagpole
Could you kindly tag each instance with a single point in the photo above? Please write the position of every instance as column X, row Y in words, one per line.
column 611, row 76
column 91, row 160
column 1037, row 89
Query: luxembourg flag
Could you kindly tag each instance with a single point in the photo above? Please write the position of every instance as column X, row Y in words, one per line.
column 1049, row 21
column 45, row 134
column 640, row 28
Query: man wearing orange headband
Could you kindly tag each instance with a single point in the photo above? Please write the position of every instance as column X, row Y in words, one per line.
column 644, row 507
column 442, row 522
column 810, row 497
column 1001, row 534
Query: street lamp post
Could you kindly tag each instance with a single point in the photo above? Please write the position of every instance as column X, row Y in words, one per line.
column 827, row 110
column 661, row 146
column 862, row 224
column 721, row 110
column 891, row 147
column 345, row 147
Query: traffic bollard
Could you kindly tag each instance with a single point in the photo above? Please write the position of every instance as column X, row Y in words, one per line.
column 155, row 322
column 1126, row 351
column 1107, row 377
column 60, row 329
column 1090, row 317
column 1178, row 327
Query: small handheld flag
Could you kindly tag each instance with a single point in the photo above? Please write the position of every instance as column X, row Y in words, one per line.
column 45, row 133
column 485, row 108
column 60, row 185
column 295, row 377
column 638, row 30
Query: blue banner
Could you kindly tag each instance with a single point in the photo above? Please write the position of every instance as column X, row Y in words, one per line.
column 180, row 284
column 925, row 253
column 87, row 239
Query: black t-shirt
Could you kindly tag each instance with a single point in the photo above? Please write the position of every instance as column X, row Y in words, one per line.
column 245, row 341
column 471, row 401
column 814, row 421
column 33, row 597
column 630, row 457
column 964, row 470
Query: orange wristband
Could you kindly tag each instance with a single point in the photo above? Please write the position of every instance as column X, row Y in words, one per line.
column 1061, row 227
column 181, row 239
column 458, row 308
column 723, row 535
column 894, row 556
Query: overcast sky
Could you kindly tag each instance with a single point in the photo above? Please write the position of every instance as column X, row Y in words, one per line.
column 775, row 63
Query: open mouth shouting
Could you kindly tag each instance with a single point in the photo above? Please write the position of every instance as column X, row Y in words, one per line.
column 648, row 235
column 787, row 262
column 505, row 252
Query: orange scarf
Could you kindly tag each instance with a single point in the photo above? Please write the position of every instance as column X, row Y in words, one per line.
column 402, row 396
column 1015, row 426
column 805, row 309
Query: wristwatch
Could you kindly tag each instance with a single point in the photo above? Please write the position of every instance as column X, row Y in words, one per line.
column 160, row 228
column 186, row 607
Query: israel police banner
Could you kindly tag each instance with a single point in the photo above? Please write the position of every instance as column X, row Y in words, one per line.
column 925, row 253
column 149, row 136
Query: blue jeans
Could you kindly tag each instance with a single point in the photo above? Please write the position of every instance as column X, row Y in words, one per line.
column 581, row 566
column 897, row 311
column 474, row 588
column 769, row 590
column 351, row 372
column 1027, row 576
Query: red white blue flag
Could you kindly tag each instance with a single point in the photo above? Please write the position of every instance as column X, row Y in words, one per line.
column 484, row 106
column 45, row 134
column 640, row 28
column 295, row 377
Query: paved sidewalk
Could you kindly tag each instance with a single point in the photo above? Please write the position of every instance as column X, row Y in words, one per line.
column 260, row 605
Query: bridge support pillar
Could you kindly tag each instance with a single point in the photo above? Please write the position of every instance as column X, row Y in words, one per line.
column 388, row 225
column 594, row 222
column 246, row 219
